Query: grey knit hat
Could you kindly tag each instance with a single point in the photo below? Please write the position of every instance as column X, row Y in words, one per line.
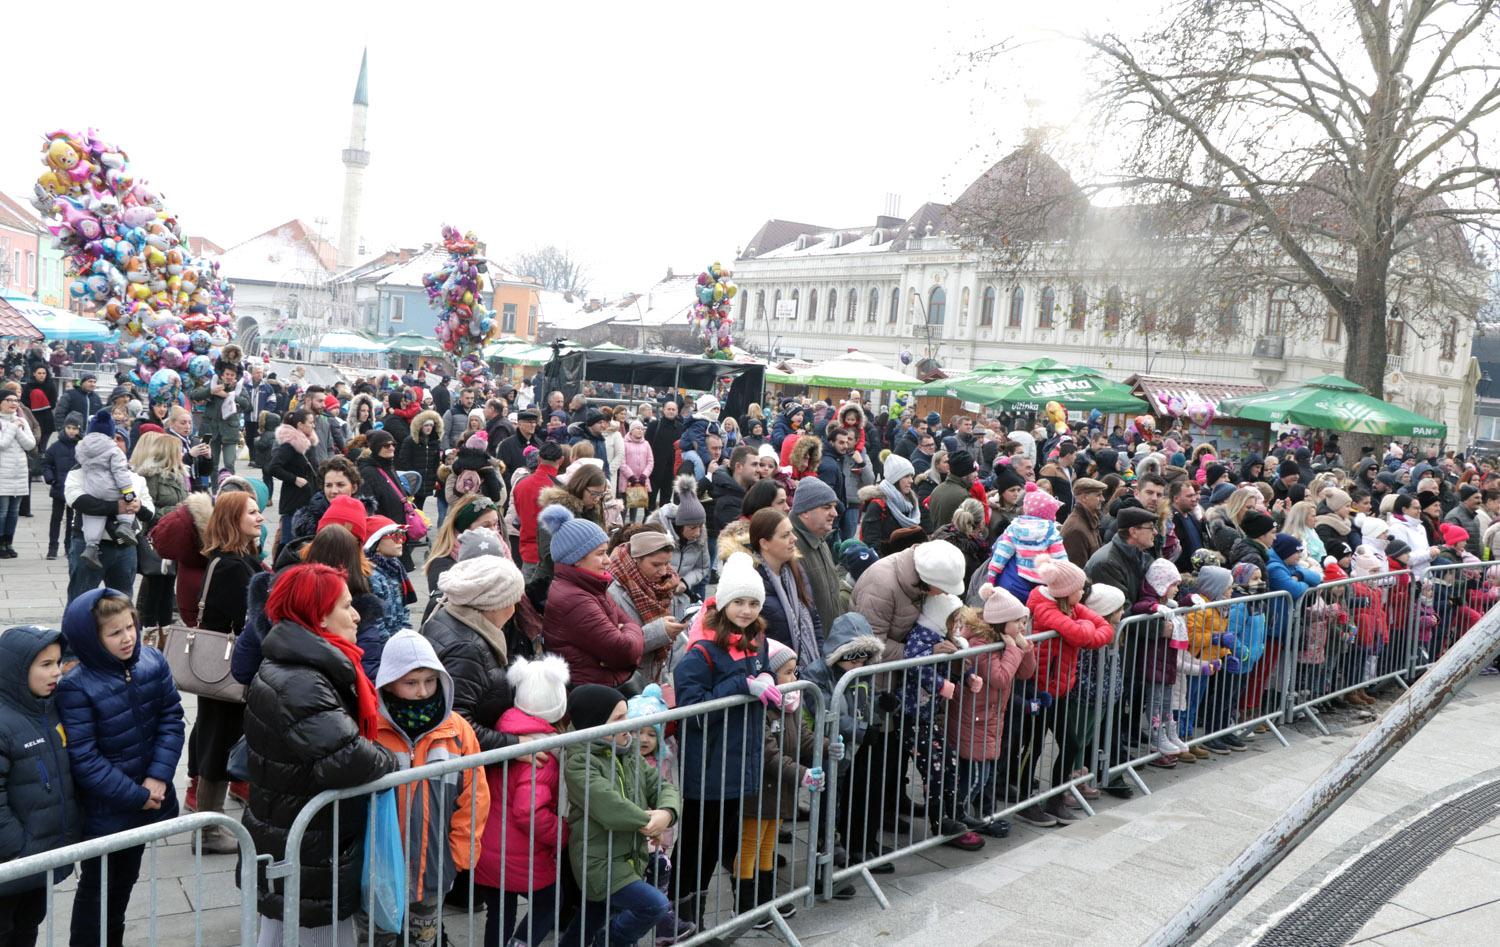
column 482, row 583
column 811, row 494
column 572, row 537
column 690, row 512
column 481, row 542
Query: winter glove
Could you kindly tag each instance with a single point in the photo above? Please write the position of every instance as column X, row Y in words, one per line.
column 1224, row 640
column 836, row 748
column 813, row 780
column 763, row 686
column 946, row 690
column 887, row 703
column 1214, row 667
column 976, row 683
column 1042, row 701
column 1233, row 665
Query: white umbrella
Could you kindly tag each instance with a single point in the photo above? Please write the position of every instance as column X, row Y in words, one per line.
column 850, row 370
column 347, row 343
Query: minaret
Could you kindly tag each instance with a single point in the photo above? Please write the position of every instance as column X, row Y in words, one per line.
column 356, row 159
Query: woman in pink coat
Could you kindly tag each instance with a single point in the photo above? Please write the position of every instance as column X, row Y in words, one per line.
column 638, row 461
column 525, row 836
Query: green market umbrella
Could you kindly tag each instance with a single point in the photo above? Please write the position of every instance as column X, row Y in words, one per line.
column 1332, row 403
column 1030, row 385
column 850, row 370
column 409, row 343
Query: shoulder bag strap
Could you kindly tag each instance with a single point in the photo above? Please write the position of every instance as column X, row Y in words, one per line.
column 203, row 593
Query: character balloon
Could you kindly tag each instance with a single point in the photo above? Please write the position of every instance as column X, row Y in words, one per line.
column 456, row 290
column 1058, row 415
column 711, row 315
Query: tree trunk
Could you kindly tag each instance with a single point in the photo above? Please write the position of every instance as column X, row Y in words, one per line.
column 1364, row 316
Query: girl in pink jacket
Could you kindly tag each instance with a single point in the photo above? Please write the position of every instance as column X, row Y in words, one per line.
column 636, row 466
column 525, row 835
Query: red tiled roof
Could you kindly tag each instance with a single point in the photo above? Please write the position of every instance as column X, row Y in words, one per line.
column 15, row 326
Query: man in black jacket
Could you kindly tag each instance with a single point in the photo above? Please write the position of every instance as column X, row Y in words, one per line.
column 663, row 433
column 81, row 397
column 728, row 486
column 512, row 450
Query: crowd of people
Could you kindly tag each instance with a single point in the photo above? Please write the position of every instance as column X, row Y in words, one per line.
column 593, row 559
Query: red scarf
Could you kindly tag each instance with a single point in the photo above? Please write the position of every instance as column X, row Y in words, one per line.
column 364, row 691
column 650, row 602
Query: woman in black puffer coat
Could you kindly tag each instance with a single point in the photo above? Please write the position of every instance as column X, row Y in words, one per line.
column 422, row 451
column 378, row 480
column 310, row 719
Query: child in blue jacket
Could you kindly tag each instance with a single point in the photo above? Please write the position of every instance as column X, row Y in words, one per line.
column 37, row 808
column 123, row 720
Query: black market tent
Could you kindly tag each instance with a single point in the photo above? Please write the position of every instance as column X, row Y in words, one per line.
column 568, row 372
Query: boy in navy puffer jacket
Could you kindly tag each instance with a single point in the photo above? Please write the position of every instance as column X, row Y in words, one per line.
column 39, row 812
column 123, row 719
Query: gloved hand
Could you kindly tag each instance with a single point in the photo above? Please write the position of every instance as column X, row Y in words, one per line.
column 763, row 686
column 946, row 690
column 836, row 748
column 1224, row 639
column 887, row 703
column 1232, row 664
column 1214, row 667
column 813, row 780
column 976, row 683
column 1042, row 701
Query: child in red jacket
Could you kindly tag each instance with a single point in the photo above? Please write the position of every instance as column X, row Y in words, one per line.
column 1057, row 606
column 519, row 854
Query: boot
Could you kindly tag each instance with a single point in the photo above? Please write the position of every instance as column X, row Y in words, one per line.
column 216, row 839
column 89, row 556
column 746, row 896
column 765, row 891
column 52, row 550
column 7, row 551
column 190, row 798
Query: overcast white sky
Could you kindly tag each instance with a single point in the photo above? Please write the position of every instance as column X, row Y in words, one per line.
column 641, row 136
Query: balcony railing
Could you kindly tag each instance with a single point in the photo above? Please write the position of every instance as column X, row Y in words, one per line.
column 1395, row 363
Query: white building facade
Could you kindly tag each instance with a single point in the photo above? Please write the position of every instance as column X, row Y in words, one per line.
column 904, row 285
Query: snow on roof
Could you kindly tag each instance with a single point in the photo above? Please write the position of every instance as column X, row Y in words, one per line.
column 571, row 312
column 836, row 242
column 431, row 259
column 19, row 216
column 290, row 253
column 666, row 302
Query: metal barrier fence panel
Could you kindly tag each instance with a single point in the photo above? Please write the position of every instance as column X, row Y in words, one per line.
column 151, row 838
column 545, row 825
column 1449, row 599
column 1220, row 682
column 1351, row 635
column 941, row 746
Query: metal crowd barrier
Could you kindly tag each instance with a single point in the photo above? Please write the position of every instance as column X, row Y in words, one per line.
column 998, row 744
column 1163, row 698
column 760, row 885
column 150, row 836
column 1449, row 600
column 1351, row 635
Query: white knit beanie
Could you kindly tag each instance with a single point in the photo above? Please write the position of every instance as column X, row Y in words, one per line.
column 540, row 687
column 740, row 580
column 482, row 583
column 897, row 467
column 937, row 608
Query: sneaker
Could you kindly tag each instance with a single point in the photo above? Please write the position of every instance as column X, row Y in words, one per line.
column 672, row 929
column 1217, row 745
column 124, row 533
column 1164, row 762
column 51, row 552
column 1035, row 815
column 1234, row 743
column 999, row 828
column 1120, row 789
column 90, row 557
column 1057, row 808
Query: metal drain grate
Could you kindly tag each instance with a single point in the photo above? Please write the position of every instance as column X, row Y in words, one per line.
column 1337, row 912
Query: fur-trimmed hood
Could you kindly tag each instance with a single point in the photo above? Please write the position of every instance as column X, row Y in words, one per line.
column 734, row 538
column 200, row 507
column 559, row 497
column 868, row 493
column 288, row 434
column 352, row 412
column 422, row 418
column 806, row 454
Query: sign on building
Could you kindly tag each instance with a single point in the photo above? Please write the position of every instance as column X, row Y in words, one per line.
column 786, row 309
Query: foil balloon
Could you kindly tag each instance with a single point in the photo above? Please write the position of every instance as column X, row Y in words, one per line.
column 1058, row 415
column 906, row 356
column 1201, row 413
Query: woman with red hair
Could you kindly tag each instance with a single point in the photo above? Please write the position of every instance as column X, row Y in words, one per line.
column 310, row 720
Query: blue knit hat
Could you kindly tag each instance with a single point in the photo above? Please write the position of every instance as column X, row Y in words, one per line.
column 1285, row 545
column 572, row 538
column 102, row 423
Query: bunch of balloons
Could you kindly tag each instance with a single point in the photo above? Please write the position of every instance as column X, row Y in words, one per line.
column 711, row 314
column 1198, row 412
column 457, row 291
column 131, row 263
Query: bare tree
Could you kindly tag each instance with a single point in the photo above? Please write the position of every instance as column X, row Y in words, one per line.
column 1338, row 151
column 553, row 267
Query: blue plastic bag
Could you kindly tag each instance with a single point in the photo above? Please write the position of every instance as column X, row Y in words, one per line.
column 383, row 880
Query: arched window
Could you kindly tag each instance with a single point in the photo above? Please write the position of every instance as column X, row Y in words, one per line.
column 776, row 305
column 1278, row 310
column 744, row 306
column 987, row 307
column 963, row 307
column 895, row 305
column 1079, row 310
column 1044, row 308
column 850, row 306
column 1017, row 308
column 833, row 304
column 1112, row 307
column 937, row 304
column 874, row 309
column 812, row 305
column 760, row 304
column 796, row 304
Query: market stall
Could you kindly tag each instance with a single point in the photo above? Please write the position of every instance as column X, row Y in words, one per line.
column 832, row 380
column 745, row 382
column 1195, row 403
column 59, row 325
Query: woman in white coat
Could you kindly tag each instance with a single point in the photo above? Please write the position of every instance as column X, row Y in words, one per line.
column 1406, row 525
column 16, row 440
